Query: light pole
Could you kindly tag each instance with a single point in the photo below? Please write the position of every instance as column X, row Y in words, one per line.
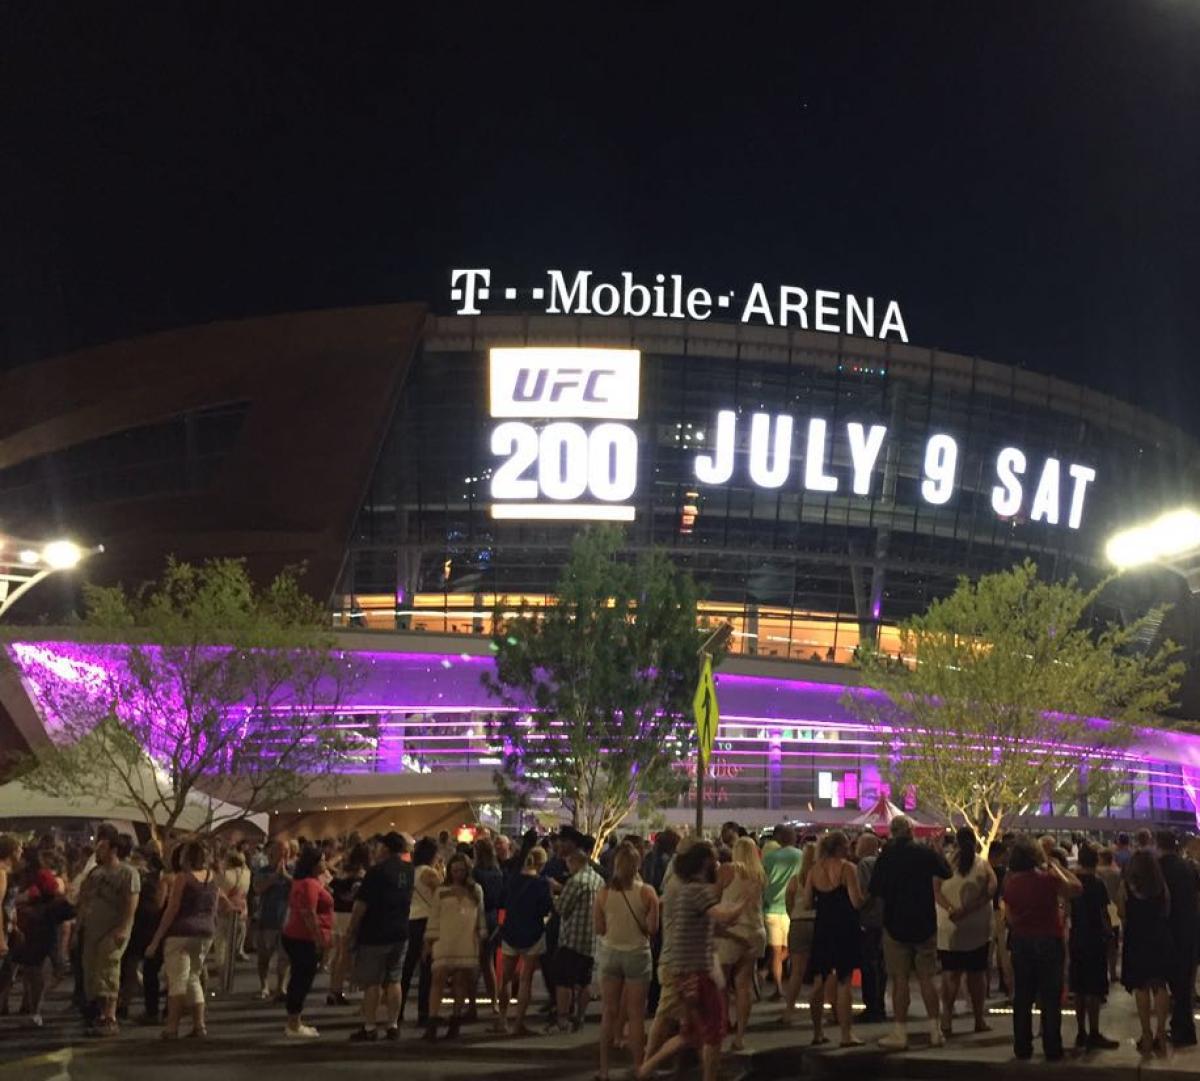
column 1171, row 540
column 23, row 565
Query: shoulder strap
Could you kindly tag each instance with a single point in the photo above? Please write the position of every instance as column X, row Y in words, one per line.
column 641, row 926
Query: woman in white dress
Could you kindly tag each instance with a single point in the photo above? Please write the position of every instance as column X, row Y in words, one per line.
column 456, row 928
column 740, row 944
column 965, row 928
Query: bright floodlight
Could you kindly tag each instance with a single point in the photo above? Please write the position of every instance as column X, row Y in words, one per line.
column 62, row 555
column 1174, row 534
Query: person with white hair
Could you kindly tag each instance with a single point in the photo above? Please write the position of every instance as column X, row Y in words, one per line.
column 903, row 879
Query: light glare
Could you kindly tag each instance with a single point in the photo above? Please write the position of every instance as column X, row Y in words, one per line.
column 61, row 555
column 1170, row 535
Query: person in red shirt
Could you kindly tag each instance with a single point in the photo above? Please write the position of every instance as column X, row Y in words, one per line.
column 1032, row 889
column 307, row 933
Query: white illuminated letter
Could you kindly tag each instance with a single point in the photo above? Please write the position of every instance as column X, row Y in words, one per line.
column 893, row 320
column 853, row 311
column 941, row 458
column 793, row 299
column 612, row 462
column 573, row 301
column 815, row 477
column 629, row 291
column 826, row 311
column 563, row 461
column 699, row 304
column 1006, row 496
column 757, row 304
column 518, row 442
column 1083, row 476
column 605, row 299
column 864, row 450
column 1045, row 499
column 717, row 468
column 770, row 463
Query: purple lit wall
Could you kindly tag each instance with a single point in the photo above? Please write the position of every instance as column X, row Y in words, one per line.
column 430, row 709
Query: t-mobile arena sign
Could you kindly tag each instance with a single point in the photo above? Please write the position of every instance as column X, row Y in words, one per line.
column 665, row 296
column 565, row 448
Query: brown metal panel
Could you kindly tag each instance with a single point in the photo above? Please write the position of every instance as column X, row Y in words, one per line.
column 321, row 388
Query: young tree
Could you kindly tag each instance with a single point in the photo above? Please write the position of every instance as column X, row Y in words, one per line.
column 599, row 687
column 200, row 691
column 993, row 709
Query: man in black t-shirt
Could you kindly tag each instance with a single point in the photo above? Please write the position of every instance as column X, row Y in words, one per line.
column 903, row 878
column 378, row 935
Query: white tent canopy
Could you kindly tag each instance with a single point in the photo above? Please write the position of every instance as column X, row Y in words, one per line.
column 19, row 801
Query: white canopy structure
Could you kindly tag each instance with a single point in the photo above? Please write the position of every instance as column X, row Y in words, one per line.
column 879, row 818
column 19, row 801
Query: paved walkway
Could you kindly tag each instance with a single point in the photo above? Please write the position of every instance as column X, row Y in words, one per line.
column 247, row 1041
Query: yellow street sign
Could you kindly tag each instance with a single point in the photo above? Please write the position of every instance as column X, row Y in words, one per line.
column 705, row 707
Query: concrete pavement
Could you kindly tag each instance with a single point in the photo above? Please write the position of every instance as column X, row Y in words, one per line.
column 246, row 1041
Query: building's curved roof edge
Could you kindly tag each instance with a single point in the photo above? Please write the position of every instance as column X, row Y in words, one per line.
column 697, row 337
column 711, row 337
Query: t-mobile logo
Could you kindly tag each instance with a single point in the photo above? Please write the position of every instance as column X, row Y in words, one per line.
column 475, row 287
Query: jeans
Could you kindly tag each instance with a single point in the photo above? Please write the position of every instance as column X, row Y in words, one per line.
column 1183, row 993
column 1037, row 975
column 414, row 956
column 874, row 972
column 305, row 959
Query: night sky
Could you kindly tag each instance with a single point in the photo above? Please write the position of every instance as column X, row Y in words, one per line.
column 1023, row 177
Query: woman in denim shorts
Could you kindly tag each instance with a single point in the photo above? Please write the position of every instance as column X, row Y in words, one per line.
column 626, row 918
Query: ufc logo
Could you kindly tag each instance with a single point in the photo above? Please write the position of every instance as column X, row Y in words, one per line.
column 582, row 384
column 531, row 387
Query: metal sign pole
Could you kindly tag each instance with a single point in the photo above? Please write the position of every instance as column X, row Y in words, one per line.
column 706, row 652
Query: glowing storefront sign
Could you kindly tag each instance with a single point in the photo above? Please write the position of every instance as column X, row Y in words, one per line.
column 563, row 468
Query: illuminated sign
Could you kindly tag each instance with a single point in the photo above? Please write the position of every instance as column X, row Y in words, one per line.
column 665, row 296
column 563, row 469
column 563, row 452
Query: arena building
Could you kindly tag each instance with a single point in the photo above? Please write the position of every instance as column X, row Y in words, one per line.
column 432, row 469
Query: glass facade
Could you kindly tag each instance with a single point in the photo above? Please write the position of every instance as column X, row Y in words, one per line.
column 801, row 573
column 170, row 457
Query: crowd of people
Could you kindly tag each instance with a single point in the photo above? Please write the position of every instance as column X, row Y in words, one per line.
column 684, row 932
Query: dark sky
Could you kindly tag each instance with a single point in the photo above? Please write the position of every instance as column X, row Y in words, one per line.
column 1023, row 177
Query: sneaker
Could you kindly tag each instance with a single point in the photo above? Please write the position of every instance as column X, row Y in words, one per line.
column 364, row 1035
column 1097, row 1041
column 937, row 1038
column 300, row 1032
column 896, row 1040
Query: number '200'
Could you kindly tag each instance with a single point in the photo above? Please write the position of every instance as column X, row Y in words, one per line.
column 570, row 461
